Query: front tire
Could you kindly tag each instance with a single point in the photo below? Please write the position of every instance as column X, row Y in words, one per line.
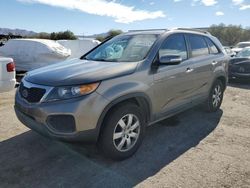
column 123, row 131
column 215, row 97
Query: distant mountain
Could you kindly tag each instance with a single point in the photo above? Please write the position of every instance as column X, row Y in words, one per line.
column 96, row 35
column 22, row 32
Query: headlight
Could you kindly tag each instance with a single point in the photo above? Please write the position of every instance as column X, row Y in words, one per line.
column 68, row 92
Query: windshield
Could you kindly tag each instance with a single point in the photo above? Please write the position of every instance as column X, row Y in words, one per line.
column 242, row 45
column 124, row 48
column 244, row 53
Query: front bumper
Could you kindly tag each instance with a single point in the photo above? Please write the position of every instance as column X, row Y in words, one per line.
column 85, row 111
column 86, row 136
column 233, row 75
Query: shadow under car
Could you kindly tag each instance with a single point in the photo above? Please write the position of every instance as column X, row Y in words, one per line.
column 30, row 160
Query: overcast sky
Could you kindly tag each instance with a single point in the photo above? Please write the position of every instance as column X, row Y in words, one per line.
column 96, row 16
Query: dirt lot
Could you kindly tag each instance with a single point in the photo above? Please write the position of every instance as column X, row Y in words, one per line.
column 195, row 150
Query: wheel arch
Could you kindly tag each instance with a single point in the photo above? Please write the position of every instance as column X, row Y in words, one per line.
column 140, row 99
column 223, row 81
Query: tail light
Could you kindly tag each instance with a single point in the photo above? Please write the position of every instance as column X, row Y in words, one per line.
column 10, row 67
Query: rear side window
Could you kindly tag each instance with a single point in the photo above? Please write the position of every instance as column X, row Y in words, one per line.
column 212, row 47
column 174, row 45
column 198, row 46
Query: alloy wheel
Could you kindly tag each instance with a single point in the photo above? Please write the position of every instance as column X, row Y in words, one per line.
column 217, row 95
column 126, row 132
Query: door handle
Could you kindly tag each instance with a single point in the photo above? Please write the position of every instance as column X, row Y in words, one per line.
column 214, row 62
column 189, row 70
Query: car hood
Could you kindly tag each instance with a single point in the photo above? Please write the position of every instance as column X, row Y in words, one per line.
column 77, row 71
column 239, row 60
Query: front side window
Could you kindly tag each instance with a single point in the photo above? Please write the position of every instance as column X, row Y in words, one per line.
column 174, row 45
column 198, row 46
column 124, row 48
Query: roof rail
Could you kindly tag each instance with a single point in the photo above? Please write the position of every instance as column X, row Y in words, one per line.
column 178, row 28
column 194, row 29
column 148, row 30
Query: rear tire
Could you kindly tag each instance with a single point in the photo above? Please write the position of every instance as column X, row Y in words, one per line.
column 123, row 132
column 215, row 97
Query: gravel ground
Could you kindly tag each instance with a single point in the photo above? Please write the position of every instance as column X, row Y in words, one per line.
column 195, row 149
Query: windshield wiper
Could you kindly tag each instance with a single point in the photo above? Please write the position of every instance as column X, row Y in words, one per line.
column 99, row 59
column 84, row 58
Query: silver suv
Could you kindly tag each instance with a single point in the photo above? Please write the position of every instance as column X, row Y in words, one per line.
column 113, row 92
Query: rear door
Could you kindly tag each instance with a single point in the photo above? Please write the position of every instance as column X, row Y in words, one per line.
column 202, row 62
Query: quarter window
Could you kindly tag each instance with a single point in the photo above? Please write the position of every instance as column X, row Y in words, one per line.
column 213, row 48
column 198, row 46
column 174, row 45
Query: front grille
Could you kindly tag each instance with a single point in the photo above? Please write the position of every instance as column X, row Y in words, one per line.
column 245, row 67
column 33, row 94
column 241, row 68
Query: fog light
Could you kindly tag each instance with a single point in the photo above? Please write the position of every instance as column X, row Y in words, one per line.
column 62, row 123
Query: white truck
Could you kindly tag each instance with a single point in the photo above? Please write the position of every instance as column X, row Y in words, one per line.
column 7, row 74
column 79, row 47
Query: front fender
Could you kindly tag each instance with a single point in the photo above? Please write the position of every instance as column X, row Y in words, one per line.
column 142, row 98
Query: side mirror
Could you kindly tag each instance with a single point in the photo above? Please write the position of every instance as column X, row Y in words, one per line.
column 170, row 60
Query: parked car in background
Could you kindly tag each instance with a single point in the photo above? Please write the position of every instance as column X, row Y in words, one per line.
column 239, row 66
column 30, row 54
column 229, row 51
column 113, row 92
column 79, row 47
column 240, row 46
column 7, row 74
column 2, row 43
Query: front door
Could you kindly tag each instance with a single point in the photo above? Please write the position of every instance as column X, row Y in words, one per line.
column 173, row 83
